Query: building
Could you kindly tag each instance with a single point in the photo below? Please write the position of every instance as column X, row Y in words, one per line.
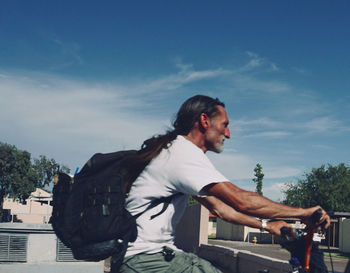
column 36, row 209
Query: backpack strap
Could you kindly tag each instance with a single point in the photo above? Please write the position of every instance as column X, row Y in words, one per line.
column 166, row 200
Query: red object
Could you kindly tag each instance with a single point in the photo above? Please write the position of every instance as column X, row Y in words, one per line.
column 308, row 245
column 211, row 215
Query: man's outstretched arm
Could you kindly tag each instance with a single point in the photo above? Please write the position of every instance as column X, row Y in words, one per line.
column 254, row 204
column 229, row 214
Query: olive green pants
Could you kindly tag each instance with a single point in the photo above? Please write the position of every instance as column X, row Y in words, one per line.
column 157, row 263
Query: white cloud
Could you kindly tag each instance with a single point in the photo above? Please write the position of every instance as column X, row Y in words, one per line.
column 255, row 61
column 301, row 71
column 261, row 127
column 248, row 83
column 286, row 126
column 71, row 49
column 237, row 166
column 184, row 76
column 233, row 166
column 246, row 126
column 59, row 117
column 322, row 146
column 324, row 124
column 253, row 122
column 274, row 67
column 274, row 191
column 270, row 134
column 281, row 172
column 72, row 119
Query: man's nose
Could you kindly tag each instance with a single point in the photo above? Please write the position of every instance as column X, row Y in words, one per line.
column 227, row 133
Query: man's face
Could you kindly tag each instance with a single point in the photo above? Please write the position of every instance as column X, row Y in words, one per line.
column 218, row 131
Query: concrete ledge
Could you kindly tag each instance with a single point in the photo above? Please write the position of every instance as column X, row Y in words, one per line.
column 231, row 260
column 223, row 258
column 26, row 227
column 82, row 267
column 251, row 262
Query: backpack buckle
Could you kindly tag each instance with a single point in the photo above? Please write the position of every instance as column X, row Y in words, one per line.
column 168, row 253
column 105, row 210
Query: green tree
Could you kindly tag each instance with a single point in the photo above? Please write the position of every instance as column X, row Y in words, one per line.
column 191, row 201
column 259, row 175
column 17, row 176
column 328, row 187
column 46, row 169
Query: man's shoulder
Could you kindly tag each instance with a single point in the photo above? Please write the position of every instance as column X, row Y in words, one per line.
column 184, row 152
column 182, row 142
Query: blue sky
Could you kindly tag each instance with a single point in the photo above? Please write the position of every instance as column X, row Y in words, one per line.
column 79, row 77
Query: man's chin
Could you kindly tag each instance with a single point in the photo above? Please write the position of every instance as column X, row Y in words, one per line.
column 218, row 149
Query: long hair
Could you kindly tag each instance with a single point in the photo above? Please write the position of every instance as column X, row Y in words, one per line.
column 186, row 118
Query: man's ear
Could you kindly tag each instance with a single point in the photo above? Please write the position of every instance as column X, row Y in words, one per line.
column 204, row 121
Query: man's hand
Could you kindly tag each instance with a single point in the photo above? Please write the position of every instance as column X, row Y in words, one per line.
column 324, row 220
column 275, row 227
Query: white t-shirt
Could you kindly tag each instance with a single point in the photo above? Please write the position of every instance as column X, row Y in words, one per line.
column 183, row 167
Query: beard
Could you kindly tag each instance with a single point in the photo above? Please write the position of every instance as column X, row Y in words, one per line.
column 218, row 147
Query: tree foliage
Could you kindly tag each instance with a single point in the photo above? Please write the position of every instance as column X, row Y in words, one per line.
column 20, row 175
column 46, row 169
column 328, row 187
column 17, row 176
column 191, row 201
column 259, row 175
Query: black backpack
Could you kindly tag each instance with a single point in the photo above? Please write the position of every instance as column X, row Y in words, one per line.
column 88, row 209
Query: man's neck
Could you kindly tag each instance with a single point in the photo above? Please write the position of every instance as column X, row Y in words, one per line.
column 196, row 137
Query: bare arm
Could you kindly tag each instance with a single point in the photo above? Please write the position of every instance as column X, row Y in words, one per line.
column 254, row 204
column 228, row 214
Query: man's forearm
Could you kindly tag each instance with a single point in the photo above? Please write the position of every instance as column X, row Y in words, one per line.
column 252, row 203
column 229, row 214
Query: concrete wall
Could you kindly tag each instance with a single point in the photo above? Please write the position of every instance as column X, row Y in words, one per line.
column 228, row 231
column 249, row 262
column 41, row 248
column 223, row 258
column 344, row 235
column 212, row 227
column 41, row 252
column 193, row 228
column 239, row 261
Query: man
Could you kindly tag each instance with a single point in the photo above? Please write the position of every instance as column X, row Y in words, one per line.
column 176, row 163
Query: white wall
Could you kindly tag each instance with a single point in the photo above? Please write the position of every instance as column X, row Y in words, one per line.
column 228, row 231
column 192, row 230
column 344, row 235
column 41, row 248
